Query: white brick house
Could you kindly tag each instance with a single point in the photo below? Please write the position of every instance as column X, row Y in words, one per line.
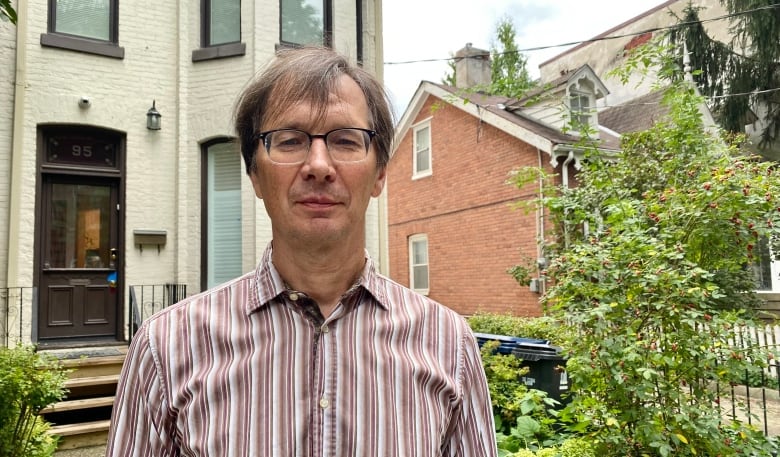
column 90, row 195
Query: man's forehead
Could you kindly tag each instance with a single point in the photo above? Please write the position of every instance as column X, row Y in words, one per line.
column 342, row 102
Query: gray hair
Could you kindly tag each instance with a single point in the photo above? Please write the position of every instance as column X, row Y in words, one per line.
column 308, row 74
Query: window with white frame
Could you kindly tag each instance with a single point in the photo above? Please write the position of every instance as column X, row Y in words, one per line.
column 765, row 270
column 421, row 162
column 580, row 107
column 305, row 22
column 418, row 263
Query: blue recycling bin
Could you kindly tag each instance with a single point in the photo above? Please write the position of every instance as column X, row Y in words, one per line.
column 546, row 366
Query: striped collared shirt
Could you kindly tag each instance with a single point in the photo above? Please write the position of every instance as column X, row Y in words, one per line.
column 251, row 369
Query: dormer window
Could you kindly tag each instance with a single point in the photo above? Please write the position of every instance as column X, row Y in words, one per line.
column 581, row 107
column 583, row 88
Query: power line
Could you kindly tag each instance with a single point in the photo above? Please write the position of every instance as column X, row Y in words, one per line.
column 604, row 38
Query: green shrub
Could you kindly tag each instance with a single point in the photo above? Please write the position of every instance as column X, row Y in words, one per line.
column 658, row 285
column 572, row 447
column 29, row 382
column 545, row 327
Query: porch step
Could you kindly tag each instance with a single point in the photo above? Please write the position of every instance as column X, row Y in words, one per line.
column 93, row 366
column 84, row 434
column 82, row 419
column 88, row 381
column 71, row 405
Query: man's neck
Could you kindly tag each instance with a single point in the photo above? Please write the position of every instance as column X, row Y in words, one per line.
column 324, row 274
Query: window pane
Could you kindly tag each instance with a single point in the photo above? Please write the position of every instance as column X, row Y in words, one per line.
column 422, row 149
column 86, row 18
column 302, row 21
column 225, row 25
column 580, row 110
column 224, row 214
column 419, row 263
column 762, row 266
column 423, row 161
column 420, row 250
column 79, row 226
column 420, row 277
column 423, row 138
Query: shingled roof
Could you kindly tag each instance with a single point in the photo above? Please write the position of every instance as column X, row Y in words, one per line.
column 636, row 115
column 506, row 108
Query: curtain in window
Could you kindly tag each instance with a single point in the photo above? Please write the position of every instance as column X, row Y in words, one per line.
column 302, row 21
column 225, row 25
column 85, row 18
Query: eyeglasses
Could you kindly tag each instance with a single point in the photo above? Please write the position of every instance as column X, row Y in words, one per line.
column 291, row 146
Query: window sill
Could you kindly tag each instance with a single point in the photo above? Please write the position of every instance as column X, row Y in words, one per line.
column 422, row 174
column 219, row 52
column 82, row 45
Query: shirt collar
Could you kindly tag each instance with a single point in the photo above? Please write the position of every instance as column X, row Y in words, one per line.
column 268, row 285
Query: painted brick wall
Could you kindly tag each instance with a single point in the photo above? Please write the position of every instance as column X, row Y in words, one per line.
column 163, row 168
column 465, row 208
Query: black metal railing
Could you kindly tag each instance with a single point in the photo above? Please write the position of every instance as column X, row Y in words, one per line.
column 147, row 299
column 16, row 308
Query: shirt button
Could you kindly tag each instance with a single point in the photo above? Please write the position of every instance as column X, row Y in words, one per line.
column 294, row 296
column 324, row 328
column 324, row 403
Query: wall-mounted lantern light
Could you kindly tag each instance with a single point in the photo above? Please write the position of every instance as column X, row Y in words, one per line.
column 153, row 118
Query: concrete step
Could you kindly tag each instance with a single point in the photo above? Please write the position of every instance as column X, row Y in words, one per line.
column 84, row 434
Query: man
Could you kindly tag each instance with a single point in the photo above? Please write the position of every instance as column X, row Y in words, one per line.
column 314, row 353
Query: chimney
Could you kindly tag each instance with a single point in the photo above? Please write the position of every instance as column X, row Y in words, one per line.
column 472, row 67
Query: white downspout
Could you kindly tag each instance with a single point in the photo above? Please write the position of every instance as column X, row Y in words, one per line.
column 565, row 169
column 17, row 147
column 384, row 239
column 540, row 226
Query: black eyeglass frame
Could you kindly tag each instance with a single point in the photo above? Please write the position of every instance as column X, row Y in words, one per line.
column 263, row 136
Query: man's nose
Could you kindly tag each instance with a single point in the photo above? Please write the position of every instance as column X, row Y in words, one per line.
column 318, row 163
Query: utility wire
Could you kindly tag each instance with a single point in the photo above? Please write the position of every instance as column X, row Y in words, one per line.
column 604, row 38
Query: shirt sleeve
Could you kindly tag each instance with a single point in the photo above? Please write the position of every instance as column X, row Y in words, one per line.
column 140, row 422
column 474, row 432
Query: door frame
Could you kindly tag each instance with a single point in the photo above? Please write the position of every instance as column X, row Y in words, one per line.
column 116, row 172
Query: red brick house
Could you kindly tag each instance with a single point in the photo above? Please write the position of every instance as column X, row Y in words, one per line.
column 453, row 232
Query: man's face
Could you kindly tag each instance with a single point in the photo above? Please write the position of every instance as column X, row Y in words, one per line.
column 319, row 201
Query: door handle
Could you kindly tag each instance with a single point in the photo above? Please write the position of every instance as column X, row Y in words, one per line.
column 112, row 258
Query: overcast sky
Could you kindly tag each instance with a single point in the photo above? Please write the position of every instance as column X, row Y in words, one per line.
column 435, row 29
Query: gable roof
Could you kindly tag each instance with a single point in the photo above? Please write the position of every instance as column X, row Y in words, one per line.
column 558, row 84
column 501, row 113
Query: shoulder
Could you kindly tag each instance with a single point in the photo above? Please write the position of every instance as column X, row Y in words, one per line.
column 229, row 298
column 399, row 300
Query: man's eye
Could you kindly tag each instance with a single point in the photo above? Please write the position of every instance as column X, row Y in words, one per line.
column 286, row 140
column 346, row 140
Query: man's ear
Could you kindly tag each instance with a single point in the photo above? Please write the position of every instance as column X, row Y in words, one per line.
column 379, row 184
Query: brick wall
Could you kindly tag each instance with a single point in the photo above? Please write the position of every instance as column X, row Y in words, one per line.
column 465, row 208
